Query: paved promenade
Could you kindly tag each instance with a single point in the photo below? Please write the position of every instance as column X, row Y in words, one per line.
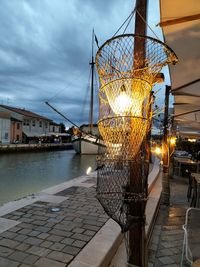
column 167, row 239
column 34, row 234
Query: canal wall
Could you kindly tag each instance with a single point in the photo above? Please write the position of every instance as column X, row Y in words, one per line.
column 8, row 148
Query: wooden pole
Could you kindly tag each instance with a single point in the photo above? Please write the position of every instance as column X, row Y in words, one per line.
column 165, row 152
column 92, row 63
column 137, row 244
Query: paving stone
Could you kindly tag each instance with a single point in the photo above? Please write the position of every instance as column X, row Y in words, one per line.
column 164, row 252
column 39, row 223
column 38, row 251
column 64, row 227
column 8, row 234
column 81, row 237
column 44, row 262
column 71, row 250
column 33, row 241
column 55, row 238
column 34, row 233
column 92, row 222
column 68, row 241
column 78, row 230
column 43, row 229
column 23, row 247
column 8, row 263
column 172, row 244
column 15, row 229
column 172, row 237
column 46, row 244
column 89, row 232
column 9, row 243
column 43, row 235
column 60, row 256
column 61, row 233
column 18, row 256
column 79, row 243
column 91, row 227
column 4, row 251
column 24, row 231
column 20, row 238
column 57, row 246
column 39, row 218
column 78, row 220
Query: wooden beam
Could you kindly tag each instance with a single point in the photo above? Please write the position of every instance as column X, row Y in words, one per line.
column 185, row 94
column 185, row 85
column 186, row 113
column 171, row 22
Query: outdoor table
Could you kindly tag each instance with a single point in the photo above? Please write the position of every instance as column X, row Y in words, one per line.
column 186, row 161
column 197, row 178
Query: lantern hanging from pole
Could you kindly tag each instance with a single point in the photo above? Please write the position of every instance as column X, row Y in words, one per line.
column 126, row 81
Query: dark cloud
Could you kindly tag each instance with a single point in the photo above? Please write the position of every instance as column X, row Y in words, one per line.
column 45, row 51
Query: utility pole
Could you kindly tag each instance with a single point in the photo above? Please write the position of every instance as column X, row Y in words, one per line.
column 137, row 243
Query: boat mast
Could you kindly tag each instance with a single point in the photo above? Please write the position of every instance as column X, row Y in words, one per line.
column 92, row 63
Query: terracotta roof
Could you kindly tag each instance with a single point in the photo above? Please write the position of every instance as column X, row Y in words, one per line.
column 4, row 115
column 24, row 112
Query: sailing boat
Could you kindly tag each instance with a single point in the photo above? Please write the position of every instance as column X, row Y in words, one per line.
column 86, row 139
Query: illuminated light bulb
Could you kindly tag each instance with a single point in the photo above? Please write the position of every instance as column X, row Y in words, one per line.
column 173, row 140
column 123, row 102
column 158, row 150
column 89, row 170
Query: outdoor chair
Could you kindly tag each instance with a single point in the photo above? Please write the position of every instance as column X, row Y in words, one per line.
column 190, row 185
column 191, row 241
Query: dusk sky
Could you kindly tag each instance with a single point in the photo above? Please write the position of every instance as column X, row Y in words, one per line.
column 45, row 50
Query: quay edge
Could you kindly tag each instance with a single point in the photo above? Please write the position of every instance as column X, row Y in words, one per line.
column 9, row 148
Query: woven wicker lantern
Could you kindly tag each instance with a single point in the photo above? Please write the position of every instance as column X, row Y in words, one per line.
column 124, row 119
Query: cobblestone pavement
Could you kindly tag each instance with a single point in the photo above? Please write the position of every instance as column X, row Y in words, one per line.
column 166, row 243
column 52, row 239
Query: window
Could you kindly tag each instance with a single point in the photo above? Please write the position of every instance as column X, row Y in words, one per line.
column 17, row 137
column 33, row 123
column 18, row 126
column 40, row 123
column 53, row 128
column 6, row 136
column 26, row 122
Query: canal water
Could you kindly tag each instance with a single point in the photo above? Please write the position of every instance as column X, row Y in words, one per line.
column 22, row 174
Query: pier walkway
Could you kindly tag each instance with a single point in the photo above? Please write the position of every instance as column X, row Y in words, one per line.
column 166, row 244
column 66, row 226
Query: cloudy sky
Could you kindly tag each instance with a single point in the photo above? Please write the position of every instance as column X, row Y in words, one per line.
column 45, row 49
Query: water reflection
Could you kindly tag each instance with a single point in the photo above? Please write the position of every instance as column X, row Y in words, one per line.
column 22, row 174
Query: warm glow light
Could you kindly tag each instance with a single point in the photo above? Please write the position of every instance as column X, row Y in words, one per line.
column 158, row 151
column 192, row 140
column 173, row 140
column 123, row 102
column 89, row 170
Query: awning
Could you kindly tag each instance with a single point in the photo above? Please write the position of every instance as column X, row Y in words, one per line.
column 180, row 22
column 31, row 134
